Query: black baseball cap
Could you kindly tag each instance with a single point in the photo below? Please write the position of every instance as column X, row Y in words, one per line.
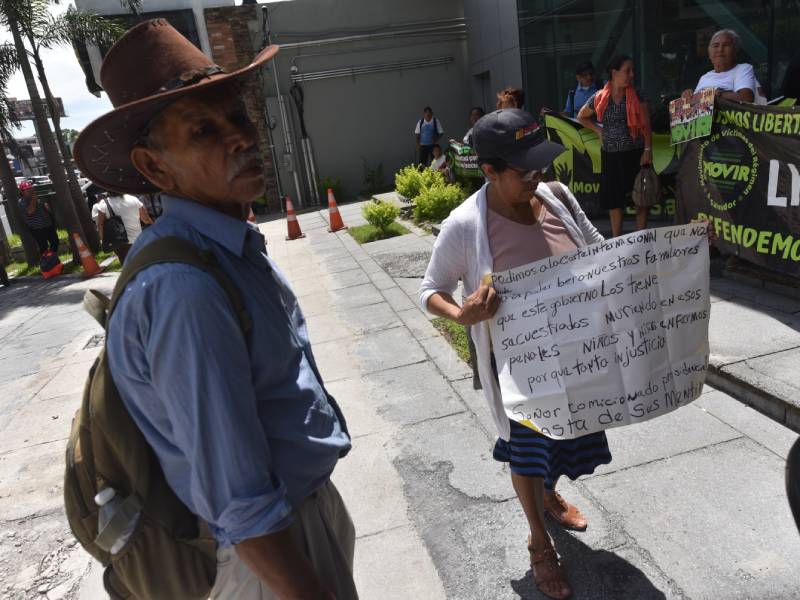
column 514, row 136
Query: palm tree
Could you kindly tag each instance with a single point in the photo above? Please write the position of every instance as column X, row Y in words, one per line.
column 43, row 30
column 8, row 64
column 12, row 14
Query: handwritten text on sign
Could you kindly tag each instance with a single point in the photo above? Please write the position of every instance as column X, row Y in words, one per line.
column 607, row 335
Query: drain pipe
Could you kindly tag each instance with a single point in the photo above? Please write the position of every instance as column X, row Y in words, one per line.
column 268, row 119
column 287, row 133
column 296, row 92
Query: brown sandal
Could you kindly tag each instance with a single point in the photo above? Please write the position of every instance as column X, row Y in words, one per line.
column 546, row 569
column 562, row 512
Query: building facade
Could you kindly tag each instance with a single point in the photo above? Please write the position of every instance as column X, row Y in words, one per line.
column 341, row 99
column 667, row 39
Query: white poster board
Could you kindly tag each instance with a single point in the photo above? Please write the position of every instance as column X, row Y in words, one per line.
column 608, row 335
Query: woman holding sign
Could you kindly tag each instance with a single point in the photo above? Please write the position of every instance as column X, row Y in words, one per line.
column 626, row 139
column 514, row 219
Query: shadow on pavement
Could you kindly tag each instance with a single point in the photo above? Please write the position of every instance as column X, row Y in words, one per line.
column 33, row 292
column 593, row 574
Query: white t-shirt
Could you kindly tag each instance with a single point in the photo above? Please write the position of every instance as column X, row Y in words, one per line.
column 439, row 128
column 738, row 78
column 126, row 207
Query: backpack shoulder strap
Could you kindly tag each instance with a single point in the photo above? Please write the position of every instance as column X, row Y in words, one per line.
column 558, row 192
column 174, row 249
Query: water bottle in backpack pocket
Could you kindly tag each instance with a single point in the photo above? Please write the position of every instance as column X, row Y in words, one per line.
column 117, row 519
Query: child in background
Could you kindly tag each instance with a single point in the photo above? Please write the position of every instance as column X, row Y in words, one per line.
column 439, row 161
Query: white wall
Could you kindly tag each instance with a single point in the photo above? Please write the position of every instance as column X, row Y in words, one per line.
column 369, row 116
column 493, row 46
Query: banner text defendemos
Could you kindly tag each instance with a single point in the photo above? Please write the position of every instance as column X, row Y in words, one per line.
column 774, row 243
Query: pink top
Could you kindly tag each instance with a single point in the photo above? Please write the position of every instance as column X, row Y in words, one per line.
column 514, row 244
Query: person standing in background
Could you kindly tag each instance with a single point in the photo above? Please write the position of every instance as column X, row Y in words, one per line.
column 152, row 204
column 732, row 79
column 439, row 160
column 584, row 75
column 38, row 218
column 626, row 139
column 428, row 131
column 131, row 211
column 475, row 113
column 510, row 97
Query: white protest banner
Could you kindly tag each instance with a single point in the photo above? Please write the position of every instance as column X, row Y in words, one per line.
column 608, row 335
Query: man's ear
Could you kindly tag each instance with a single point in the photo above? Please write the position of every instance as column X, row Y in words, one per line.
column 149, row 164
column 489, row 171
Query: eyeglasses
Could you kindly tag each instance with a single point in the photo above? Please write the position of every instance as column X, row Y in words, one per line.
column 530, row 175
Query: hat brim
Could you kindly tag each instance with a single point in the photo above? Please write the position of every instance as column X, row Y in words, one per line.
column 536, row 157
column 102, row 150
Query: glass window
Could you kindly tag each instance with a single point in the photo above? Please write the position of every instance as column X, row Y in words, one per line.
column 557, row 35
column 667, row 38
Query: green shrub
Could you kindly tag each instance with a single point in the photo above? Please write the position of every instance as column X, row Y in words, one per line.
column 380, row 214
column 410, row 181
column 14, row 240
column 435, row 203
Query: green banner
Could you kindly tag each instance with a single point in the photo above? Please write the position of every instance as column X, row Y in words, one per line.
column 745, row 178
column 463, row 161
column 579, row 167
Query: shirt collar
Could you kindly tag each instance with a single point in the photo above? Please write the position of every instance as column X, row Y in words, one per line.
column 225, row 230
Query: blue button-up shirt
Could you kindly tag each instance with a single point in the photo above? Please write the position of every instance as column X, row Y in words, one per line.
column 243, row 428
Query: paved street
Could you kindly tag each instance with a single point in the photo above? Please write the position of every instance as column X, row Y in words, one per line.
column 692, row 507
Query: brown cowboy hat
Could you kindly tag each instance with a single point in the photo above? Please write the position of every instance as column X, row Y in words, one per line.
column 147, row 69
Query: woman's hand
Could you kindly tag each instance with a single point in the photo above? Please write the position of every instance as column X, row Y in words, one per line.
column 479, row 306
column 647, row 158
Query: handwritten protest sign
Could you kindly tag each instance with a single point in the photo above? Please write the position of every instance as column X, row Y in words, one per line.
column 608, row 335
column 691, row 118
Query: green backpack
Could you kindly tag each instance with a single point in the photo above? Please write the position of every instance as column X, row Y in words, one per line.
column 171, row 553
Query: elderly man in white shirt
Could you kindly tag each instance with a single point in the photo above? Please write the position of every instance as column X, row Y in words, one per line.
column 735, row 81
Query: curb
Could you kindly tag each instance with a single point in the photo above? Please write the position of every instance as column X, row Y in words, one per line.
column 771, row 405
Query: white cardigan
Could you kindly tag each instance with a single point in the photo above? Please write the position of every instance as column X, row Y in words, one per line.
column 462, row 252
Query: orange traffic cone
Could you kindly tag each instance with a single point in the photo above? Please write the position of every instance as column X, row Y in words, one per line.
column 251, row 216
column 334, row 217
column 90, row 266
column 291, row 222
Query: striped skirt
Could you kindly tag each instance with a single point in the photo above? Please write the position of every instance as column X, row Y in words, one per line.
column 534, row 455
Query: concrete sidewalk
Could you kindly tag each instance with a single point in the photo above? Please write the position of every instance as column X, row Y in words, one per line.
column 692, row 507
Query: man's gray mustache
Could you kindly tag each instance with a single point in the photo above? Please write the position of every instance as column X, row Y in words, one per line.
column 242, row 162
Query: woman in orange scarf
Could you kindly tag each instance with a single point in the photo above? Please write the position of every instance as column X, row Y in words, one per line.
column 620, row 116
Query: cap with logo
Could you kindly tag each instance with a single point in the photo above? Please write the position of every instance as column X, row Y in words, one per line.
column 25, row 185
column 514, row 136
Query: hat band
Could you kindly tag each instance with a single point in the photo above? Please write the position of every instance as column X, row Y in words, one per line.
column 190, row 78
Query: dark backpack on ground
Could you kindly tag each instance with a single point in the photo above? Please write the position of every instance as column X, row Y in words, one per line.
column 171, row 554
column 114, row 232
column 49, row 264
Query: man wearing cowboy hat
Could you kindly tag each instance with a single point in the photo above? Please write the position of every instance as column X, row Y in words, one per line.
column 243, row 428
